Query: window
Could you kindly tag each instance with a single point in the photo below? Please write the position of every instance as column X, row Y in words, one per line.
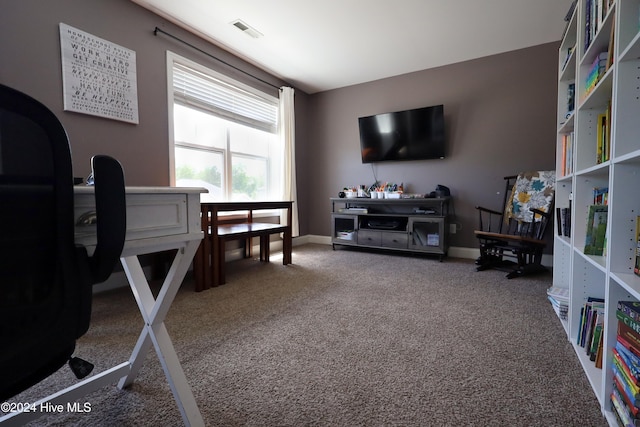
column 224, row 135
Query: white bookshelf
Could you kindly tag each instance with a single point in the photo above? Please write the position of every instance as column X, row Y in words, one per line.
column 610, row 276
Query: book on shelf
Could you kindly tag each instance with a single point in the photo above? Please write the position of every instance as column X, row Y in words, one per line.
column 563, row 217
column 610, row 50
column 623, row 385
column 636, row 265
column 624, row 342
column 629, row 401
column 571, row 99
column 629, row 337
column 589, row 313
column 624, row 322
column 629, row 358
column 595, row 230
column 567, row 154
column 623, row 414
column 625, row 364
column 601, row 139
column 601, row 196
column 603, row 136
column 632, row 390
column 587, row 25
column 595, row 13
column 631, row 309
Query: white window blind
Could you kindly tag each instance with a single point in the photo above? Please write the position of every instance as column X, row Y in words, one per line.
column 200, row 90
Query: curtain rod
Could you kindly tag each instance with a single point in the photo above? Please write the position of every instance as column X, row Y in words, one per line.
column 155, row 33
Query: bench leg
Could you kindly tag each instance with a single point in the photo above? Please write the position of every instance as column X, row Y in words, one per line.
column 287, row 244
column 247, row 247
column 217, row 262
column 199, row 266
column 264, row 247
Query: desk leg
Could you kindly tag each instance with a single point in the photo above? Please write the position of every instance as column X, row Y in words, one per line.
column 154, row 332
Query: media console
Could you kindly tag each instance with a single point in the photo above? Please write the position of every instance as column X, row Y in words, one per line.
column 410, row 225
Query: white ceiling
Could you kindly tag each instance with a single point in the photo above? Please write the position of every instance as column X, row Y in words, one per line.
column 319, row 45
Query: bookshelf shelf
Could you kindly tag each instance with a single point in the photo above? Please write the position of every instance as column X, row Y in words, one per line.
column 632, row 51
column 605, row 130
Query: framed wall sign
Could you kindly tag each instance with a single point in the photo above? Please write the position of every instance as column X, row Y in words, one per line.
column 98, row 77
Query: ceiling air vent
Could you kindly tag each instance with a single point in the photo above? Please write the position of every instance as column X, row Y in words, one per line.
column 250, row 31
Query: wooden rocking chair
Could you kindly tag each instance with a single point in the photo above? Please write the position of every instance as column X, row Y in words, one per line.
column 518, row 231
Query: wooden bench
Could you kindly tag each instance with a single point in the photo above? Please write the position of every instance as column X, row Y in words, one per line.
column 209, row 263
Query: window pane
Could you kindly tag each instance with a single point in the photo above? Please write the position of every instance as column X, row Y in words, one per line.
column 197, row 127
column 248, row 140
column 198, row 168
column 249, row 180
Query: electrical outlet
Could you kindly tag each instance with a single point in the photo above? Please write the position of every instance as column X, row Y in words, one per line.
column 452, row 228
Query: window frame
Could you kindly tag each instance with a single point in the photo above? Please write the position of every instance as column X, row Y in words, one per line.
column 228, row 154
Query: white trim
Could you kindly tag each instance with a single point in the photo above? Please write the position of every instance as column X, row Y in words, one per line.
column 118, row 279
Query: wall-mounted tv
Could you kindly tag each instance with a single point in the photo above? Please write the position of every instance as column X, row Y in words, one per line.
column 403, row 135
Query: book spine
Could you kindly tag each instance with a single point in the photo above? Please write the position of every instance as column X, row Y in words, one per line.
column 621, row 409
column 630, row 336
column 622, row 386
column 631, row 309
column 633, row 408
column 627, row 345
column 628, row 321
column 631, row 389
column 624, row 367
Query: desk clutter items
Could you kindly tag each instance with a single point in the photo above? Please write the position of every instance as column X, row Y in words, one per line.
column 375, row 191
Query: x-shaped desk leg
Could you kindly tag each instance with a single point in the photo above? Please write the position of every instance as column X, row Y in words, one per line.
column 155, row 332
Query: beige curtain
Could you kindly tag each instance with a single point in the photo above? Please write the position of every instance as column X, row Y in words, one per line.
column 288, row 138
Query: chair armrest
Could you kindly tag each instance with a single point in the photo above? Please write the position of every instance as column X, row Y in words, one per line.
column 111, row 216
column 539, row 212
column 491, row 211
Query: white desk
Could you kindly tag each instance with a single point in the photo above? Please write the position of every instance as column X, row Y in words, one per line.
column 158, row 219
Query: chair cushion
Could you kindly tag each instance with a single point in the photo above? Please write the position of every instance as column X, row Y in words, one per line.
column 532, row 190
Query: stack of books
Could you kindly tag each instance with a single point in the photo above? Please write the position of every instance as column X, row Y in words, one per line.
column 597, row 70
column 559, row 298
column 625, row 395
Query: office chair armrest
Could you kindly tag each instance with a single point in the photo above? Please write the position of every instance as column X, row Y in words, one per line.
column 111, row 216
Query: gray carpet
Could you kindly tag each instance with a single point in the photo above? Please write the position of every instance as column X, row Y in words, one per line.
column 345, row 338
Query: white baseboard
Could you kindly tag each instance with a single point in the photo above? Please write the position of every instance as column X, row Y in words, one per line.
column 454, row 251
column 119, row 279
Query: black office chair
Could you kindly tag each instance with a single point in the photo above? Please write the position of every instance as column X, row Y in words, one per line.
column 45, row 279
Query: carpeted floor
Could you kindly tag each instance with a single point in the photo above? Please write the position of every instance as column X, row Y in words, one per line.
column 345, row 338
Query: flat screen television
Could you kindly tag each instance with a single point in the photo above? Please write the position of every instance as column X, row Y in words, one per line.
column 403, row 135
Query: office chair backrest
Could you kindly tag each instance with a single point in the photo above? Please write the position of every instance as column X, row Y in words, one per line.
column 45, row 280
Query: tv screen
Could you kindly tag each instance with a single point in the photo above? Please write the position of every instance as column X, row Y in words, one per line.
column 403, row 135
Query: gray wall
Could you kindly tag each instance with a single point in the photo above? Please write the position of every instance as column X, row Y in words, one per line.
column 500, row 119
column 30, row 62
column 500, row 110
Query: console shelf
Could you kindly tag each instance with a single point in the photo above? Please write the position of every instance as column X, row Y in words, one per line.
column 410, row 225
